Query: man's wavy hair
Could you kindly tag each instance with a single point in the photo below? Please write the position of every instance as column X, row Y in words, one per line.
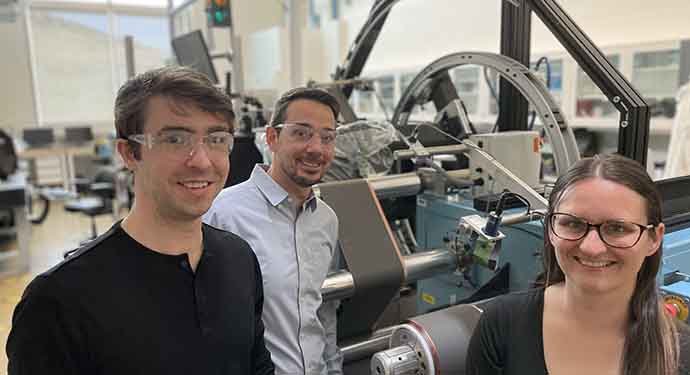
column 181, row 85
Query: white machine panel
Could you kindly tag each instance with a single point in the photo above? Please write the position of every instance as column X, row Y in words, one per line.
column 518, row 151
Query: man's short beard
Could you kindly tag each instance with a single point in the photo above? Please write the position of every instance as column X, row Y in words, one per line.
column 303, row 182
column 299, row 180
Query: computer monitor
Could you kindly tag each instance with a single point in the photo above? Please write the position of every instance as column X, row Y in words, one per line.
column 191, row 50
column 78, row 134
column 38, row 137
column 675, row 202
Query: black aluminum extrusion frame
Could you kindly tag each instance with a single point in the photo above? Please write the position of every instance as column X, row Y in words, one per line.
column 516, row 35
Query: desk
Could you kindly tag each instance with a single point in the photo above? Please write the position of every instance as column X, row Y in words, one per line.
column 14, row 250
column 65, row 152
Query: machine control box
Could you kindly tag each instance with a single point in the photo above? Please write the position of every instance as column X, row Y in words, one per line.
column 519, row 151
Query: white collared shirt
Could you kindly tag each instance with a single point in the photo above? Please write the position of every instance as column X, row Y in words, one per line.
column 296, row 251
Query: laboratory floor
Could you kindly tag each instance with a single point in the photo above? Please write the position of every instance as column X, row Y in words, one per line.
column 60, row 232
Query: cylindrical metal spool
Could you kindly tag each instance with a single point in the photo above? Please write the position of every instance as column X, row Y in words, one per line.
column 440, row 338
column 401, row 360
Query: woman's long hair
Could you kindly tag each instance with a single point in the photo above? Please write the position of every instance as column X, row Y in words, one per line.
column 651, row 342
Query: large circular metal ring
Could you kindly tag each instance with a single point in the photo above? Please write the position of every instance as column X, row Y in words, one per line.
column 560, row 136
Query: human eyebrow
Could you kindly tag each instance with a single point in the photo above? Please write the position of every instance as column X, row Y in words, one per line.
column 218, row 128
column 308, row 125
column 623, row 221
column 305, row 124
column 187, row 129
column 174, row 128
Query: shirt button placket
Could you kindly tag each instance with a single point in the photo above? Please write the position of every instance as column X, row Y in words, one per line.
column 201, row 311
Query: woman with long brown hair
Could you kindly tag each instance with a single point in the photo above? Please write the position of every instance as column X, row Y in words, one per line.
column 598, row 309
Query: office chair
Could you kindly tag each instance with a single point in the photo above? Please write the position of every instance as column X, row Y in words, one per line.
column 96, row 197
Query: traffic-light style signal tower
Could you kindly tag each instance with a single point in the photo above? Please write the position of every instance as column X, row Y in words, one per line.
column 218, row 13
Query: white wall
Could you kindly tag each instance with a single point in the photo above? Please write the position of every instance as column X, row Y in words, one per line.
column 617, row 22
column 250, row 16
column 324, row 49
column 419, row 31
column 16, row 97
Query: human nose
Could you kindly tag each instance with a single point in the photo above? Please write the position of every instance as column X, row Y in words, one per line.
column 199, row 159
column 592, row 243
column 315, row 142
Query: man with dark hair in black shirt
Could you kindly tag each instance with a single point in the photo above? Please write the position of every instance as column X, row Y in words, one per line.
column 159, row 293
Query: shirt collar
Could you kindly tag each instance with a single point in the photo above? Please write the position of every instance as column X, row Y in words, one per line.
column 310, row 202
column 273, row 192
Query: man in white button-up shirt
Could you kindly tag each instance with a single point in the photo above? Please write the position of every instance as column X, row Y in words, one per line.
column 292, row 232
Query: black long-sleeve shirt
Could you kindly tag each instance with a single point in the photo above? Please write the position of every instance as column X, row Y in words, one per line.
column 508, row 338
column 117, row 307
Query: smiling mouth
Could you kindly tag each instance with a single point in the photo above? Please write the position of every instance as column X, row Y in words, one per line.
column 195, row 185
column 310, row 164
column 594, row 264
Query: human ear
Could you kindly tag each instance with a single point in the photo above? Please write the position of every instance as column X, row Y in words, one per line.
column 124, row 149
column 656, row 238
column 271, row 138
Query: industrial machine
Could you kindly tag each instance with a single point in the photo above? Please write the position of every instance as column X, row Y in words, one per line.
column 674, row 277
column 426, row 244
column 462, row 258
column 474, row 231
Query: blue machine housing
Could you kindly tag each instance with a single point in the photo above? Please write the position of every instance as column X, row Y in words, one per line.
column 674, row 277
column 437, row 221
column 676, row 253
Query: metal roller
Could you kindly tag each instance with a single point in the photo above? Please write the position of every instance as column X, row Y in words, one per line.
column 437, row 150
column 406, row 184
column 418, row 266
column 393, row 186
column 401, row 360
column 438, row 343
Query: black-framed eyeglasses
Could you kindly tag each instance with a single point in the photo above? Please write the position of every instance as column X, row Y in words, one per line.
column 620, row 234
column 181, row 144
column 303, row 133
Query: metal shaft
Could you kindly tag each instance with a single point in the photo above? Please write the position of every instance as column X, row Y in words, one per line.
column 523, row 217
column 400, row 185
column 405, row 184
column 376, row 342
column 417, row 266
column 338, row 285
column 436, row 150
column 428, row 263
